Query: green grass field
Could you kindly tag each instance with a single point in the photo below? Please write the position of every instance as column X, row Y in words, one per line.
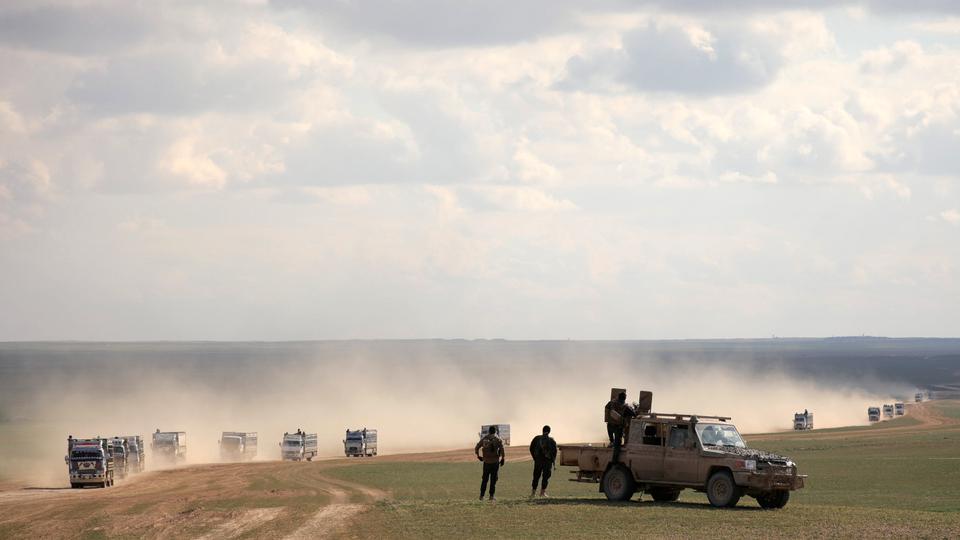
column 872, row 483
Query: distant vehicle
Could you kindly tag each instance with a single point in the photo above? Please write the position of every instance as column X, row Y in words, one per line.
column 503, row 430
column 118, row 451
column 667, row 453
column 298, row 446
column 888, row 411
column 803, row 420
column 169, row 446
column 360, row 443
column 136, row 456
column 873, row 414
column 918, row 397
column 89, row 462
column 238, row 445
column 898, row 407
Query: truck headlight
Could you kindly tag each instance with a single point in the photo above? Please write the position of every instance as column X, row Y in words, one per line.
column 747, row 464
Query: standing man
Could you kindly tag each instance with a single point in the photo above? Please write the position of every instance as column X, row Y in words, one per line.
column 493, row 459
column 617, row 414
column 543, row 449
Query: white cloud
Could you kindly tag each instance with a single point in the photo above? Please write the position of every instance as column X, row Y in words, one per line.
column 951, row 216
column 948, row 25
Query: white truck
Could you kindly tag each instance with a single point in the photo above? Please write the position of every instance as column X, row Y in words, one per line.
column 873, row 414
column 136, row 455
column 117, row 447
column 360, row 443
column 918, row 397
column 238, row 445
column 803, row 420
column 169, row 446
column 89, row 462
column 298, row 446
column 888, row 411
column 899, row 408
column 503, row 430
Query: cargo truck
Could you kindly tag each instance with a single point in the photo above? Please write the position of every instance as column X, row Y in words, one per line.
column 136, row 459
column 360, row 443
column 503, row 431
column 118, row 451
column 89, row 462
column 803, row 420
column 666, row 453
column 873, row 414
column 238, row 445
column 169, row 446
column 918, row 397
column 298, row 446
column 888, row 411
column 899, row 408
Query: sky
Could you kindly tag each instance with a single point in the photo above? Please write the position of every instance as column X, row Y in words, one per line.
column 275, row 170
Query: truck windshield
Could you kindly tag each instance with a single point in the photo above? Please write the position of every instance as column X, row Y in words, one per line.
column 293, row 444
column 719, row 435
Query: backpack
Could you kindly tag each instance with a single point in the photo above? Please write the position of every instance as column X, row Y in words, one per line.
column 548, row 448
column 490, row 445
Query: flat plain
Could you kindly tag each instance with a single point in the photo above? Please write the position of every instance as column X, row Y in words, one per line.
column 899, row 478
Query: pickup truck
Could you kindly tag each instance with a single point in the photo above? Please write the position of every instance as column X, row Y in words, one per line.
column 666, row 453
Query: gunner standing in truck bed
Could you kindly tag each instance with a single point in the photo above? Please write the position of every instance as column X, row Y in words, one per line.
column 493, row 458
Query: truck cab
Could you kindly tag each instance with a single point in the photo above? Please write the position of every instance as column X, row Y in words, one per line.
column 900, row 408
column 873, row 414
column 888, row 411
column 803, row 421
column 298, row 446
column 667, row 453
column 118, row 451
column 89, row 462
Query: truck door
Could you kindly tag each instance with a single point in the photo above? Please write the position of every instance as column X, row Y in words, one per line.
column 644, row 454
column 680, row 460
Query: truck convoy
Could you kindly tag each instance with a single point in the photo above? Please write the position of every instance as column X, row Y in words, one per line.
column 888, row 411
column 503, row 430
column 663, row 454
column 136, row 456
column 238, row 445
column 169, row 446
column 899, row 408
column 298, row 446
column 89, row 462
column 873, row 414
column 803, row 420
column 360, row 443
column 118, row 451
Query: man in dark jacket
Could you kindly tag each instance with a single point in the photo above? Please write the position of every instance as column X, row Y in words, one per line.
column 493, row 459
column 543, row 449
column 617, row 415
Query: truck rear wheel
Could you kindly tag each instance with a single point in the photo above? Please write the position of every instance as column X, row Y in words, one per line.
column 722, row 491
column 664, row 494
column 773, row 499
column 618, row 484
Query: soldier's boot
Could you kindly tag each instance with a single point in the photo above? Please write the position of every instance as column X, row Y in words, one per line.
column 492, row 498
column 533, row 492
column 543, row 493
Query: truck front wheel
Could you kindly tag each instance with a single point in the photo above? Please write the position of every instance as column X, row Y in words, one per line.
column 773, row 499
column 722, row 491
column 618, row 484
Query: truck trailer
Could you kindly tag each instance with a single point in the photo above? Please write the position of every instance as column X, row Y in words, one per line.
column 360, row 443
column 503, row 430
column 89, row 462
column 298, row 446
column 238, row 445
column 136, row 454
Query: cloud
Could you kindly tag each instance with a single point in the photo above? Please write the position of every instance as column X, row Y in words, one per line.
column 82, row 29
column 678, row 57
column 951, row 216
column 949, row 25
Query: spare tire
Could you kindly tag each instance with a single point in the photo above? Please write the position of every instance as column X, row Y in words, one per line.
column 618, row 484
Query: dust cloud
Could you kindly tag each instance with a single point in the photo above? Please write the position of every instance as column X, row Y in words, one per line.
column 420, row 396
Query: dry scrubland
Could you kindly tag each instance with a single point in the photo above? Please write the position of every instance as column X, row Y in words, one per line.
column 900, row 478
